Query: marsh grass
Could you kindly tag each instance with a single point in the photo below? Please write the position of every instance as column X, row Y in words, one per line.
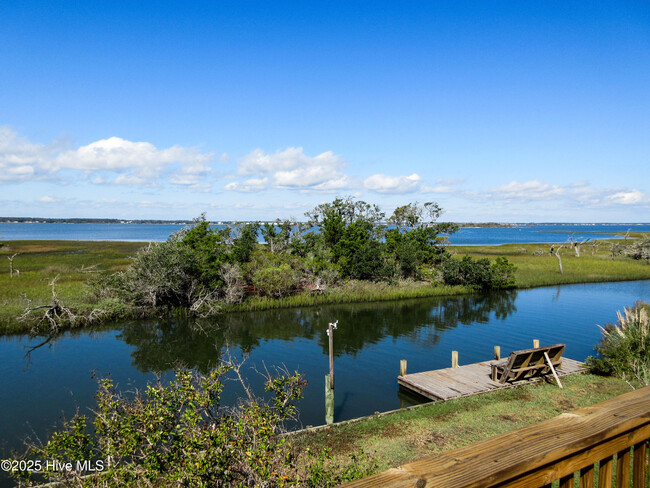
column 408, row 435
column 352, row 292
column 543, row 270
column 40, row 261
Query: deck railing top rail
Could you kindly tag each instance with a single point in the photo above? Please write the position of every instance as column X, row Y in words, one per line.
column 534, row 455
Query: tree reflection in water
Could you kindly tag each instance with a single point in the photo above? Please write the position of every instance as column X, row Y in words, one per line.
column 161, row 345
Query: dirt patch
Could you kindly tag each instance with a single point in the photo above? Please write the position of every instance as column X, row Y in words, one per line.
column 565, row 404
column 430, row 438
column 391, row 431
column 508, row 418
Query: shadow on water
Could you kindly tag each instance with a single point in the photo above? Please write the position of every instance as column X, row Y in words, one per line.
column 160, row 345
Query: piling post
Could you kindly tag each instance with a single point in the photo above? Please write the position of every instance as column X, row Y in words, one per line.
column 330, row 334
column 329, row 401
column 497, row 352
column 402, row 367
column 454, row 359
column 535, row 343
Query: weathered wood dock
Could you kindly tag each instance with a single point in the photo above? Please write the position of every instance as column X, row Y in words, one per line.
column 445, row 384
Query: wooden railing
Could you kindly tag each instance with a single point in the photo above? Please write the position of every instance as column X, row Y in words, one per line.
column 603, row 442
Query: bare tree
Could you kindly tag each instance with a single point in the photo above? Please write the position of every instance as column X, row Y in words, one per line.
column 55, row 314
column 556, row 252
column 594, row 247
column 576, row 245
column 233, row 279
column 11, row 265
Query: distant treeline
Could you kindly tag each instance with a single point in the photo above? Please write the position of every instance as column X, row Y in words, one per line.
column 89, row 221
column 486, row 225
column 181, row 222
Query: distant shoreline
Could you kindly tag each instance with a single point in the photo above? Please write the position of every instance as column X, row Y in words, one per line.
column 465, row 225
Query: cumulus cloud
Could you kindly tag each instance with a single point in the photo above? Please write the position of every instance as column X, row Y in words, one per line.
column 292, row 169
column 393, row 184
column 578, row 195
column 21, row 159
column 444, row 186
column 249, row 185
column 113, row 160
column 631, row 197
column 529, row 190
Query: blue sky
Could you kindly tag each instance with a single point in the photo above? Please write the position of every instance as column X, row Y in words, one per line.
column 499, row 111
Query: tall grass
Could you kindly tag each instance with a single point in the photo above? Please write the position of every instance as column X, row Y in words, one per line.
column 40, row 261
column 351, row 292
column 541, row 270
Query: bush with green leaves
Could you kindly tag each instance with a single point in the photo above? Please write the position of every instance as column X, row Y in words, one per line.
column 624, row 349
column 276, row 281
column 179, row 435
column 479, row 273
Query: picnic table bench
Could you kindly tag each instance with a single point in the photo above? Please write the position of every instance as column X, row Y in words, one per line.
column 529, row 362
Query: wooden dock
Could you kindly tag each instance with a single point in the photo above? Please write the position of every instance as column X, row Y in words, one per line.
column 445, row 384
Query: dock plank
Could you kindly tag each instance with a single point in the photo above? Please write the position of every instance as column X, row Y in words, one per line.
column 470, row 379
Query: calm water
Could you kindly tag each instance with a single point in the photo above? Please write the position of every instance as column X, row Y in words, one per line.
column 160, row 232
column 57, row 378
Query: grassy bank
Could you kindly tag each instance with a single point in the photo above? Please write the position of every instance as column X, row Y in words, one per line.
column 593, row 265
column 408, row 435
column 74, row 261
column 39, row 262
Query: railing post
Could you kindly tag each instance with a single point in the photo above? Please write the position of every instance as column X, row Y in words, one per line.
column 454, row 359
column 535, row 343
column 497, row 352
column 623, row 468
column 638, row 475
column 402, row 367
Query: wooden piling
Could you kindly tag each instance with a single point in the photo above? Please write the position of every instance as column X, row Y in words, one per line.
column 535, row 342
column 402, row 367
column 329, row 401
column 454, row 359
column 331, row 343
column 497, row 352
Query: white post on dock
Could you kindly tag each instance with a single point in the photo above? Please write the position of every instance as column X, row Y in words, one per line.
column 454, row 359
column 497, row 352
column 535, row 343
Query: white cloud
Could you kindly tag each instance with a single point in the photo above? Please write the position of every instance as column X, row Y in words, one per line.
column 22, row 160
column 630, row 197
column 393, row 184
column 112, row 160
column 529, row 190
column 47, row 199
column 247, row 186
column 292, row 169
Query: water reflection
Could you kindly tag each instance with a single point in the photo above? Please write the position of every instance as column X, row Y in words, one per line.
column 160, row 345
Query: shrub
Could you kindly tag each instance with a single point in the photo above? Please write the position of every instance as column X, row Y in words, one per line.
column 479, row 273
column 503, row 274
column 276, row 281
column 177, row 435
column 624, row 349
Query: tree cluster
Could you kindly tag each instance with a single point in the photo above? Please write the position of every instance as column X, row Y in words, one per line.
column 200, row 267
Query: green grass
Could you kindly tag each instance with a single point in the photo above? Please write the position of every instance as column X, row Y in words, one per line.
column 408, row 435
column 591, row 267
column 40, row 261
column 351, row 292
